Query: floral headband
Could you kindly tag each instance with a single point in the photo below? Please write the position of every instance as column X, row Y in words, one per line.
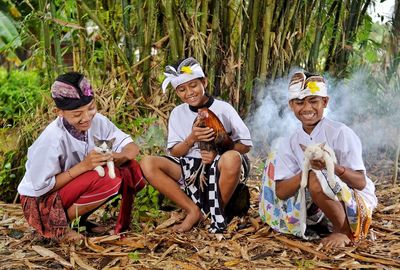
column 189, row 69
column 301, row 86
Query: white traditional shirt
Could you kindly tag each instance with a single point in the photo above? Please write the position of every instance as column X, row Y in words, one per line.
column 182, row 118
column 56, row 150
column 342, row 139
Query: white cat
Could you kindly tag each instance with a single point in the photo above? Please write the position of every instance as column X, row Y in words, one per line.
column 104, row 147
column 321, row 152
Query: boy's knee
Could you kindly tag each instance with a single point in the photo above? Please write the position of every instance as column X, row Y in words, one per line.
column 231, row 160
column 147, row 163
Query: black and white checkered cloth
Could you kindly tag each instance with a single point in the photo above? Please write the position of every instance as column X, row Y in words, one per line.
column 208, row 200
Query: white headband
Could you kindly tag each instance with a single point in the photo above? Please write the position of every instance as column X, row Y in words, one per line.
column 301, row 87
column 189, row 69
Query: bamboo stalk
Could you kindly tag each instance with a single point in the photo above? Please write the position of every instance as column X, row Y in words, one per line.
column 314, row 51
column 56, row 39
column 332, row 42
column 251, row 54
column 148, row 33
column 213, row 61
column 204, row 17
column 173, row 39
column 127, row 30
column 236, row 101
column 269, row 9
column 81, row 57
column 120, row 53
column 46, row 40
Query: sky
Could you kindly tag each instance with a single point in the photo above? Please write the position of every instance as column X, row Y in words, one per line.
column 385, row 9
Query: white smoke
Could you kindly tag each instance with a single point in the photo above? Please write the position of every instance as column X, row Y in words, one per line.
column 371, row 111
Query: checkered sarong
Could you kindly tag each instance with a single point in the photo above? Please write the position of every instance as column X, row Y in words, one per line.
column 208, row 200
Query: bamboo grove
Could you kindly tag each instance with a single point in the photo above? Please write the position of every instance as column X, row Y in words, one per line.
column 240, row 43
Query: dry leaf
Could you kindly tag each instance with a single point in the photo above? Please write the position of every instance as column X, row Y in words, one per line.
column 44, row 252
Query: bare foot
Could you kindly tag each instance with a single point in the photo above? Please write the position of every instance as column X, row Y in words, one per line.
column 336, row 239
column 72, row 236
column 190, row 220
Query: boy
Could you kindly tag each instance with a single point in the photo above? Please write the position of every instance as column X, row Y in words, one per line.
column 307, row 99
column 60, row 184
column 224, row 173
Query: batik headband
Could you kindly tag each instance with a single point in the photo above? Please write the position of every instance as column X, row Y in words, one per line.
column 70, row 95
column 301, row 86
column 189, row 69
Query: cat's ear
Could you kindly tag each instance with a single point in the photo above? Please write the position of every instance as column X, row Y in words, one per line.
column 303, row 147
column 112, row 140
column 322, row 145
column 96, row 140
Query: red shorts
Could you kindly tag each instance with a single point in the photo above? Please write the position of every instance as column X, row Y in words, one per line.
column 90, row 188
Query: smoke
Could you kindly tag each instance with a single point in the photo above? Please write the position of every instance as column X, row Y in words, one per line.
column 366, row 104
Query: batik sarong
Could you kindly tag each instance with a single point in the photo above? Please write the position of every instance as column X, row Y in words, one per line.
column 290, row 216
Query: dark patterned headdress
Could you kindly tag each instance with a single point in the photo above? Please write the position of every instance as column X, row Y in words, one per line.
column 71, row 91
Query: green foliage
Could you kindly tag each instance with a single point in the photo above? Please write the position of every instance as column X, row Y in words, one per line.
column 20, row 94
column 146, row 206
column 134, row 256
column 9, row 171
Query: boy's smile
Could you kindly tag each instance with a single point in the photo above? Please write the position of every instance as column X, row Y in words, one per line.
column 80, row 118
column 309, row 110
column 193, row 92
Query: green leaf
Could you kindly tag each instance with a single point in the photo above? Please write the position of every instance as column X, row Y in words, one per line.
column 8, row 32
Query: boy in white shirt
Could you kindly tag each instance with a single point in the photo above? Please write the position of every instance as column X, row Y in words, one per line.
column 170, row 174
column 350, row 219
column 59, row 183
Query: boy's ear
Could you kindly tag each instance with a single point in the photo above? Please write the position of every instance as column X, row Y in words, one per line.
column 303, row 147
column 290, row 105
column 325, row 101
column 59, row 112
column 205, row 81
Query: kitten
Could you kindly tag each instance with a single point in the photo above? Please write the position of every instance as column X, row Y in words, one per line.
column 104, row 147
column 321, row 152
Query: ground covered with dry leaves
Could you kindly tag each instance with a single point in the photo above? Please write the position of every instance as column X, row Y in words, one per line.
column 248, row 244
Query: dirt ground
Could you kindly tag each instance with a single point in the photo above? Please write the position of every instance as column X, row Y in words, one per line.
column 248, row 244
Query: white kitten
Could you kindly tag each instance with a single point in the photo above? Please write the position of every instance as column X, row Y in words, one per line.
column 321, row 152
column 104, row 147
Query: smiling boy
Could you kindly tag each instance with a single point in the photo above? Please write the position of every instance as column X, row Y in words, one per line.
column 60, row 184
column 226, row 171
column 308, row 99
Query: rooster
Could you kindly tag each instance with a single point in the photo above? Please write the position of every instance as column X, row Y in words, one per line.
column 221, row 143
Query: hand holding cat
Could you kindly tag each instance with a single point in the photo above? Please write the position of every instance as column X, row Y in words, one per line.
column 94, row 159
column 318, row 164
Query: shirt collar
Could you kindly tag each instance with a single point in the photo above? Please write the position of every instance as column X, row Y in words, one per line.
column 208, row 104
column 74, row 132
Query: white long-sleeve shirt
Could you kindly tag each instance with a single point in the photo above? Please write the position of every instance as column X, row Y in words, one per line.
column 56, row 151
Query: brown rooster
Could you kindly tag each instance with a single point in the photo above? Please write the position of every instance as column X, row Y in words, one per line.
column 221, row 143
